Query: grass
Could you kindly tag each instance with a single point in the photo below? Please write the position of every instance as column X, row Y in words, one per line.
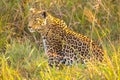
column 23, row 58
column 23, row 61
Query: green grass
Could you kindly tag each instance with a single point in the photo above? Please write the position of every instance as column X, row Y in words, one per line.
column 23, row 58
column 24, row 61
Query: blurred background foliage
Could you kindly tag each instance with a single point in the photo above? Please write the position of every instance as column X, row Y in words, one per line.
column 97, row 19
column 82, row 16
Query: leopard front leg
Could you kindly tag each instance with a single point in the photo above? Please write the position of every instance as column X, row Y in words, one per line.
column 55, row 60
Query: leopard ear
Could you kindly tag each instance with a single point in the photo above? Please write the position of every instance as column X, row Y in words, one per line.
column 44, row 14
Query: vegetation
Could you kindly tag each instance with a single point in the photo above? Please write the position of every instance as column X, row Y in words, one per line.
column 23, row 58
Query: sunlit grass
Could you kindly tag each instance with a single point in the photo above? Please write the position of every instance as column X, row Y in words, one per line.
column 22, row 61
column 21, row 57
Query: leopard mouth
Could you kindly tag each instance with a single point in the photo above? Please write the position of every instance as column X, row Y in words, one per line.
column 38, row 29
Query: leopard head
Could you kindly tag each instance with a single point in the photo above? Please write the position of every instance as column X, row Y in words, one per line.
column 38, row 20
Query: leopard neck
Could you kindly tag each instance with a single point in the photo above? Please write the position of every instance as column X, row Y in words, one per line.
column 57, row 21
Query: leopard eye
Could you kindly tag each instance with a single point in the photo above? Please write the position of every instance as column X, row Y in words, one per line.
column 44, row 14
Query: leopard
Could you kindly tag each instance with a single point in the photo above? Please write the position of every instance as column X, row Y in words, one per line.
column 62, row 45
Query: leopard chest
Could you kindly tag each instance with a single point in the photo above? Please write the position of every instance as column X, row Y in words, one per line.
column 52, row 45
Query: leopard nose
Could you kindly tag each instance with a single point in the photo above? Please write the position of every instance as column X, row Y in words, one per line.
column 30, row 24
column 29, row 27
